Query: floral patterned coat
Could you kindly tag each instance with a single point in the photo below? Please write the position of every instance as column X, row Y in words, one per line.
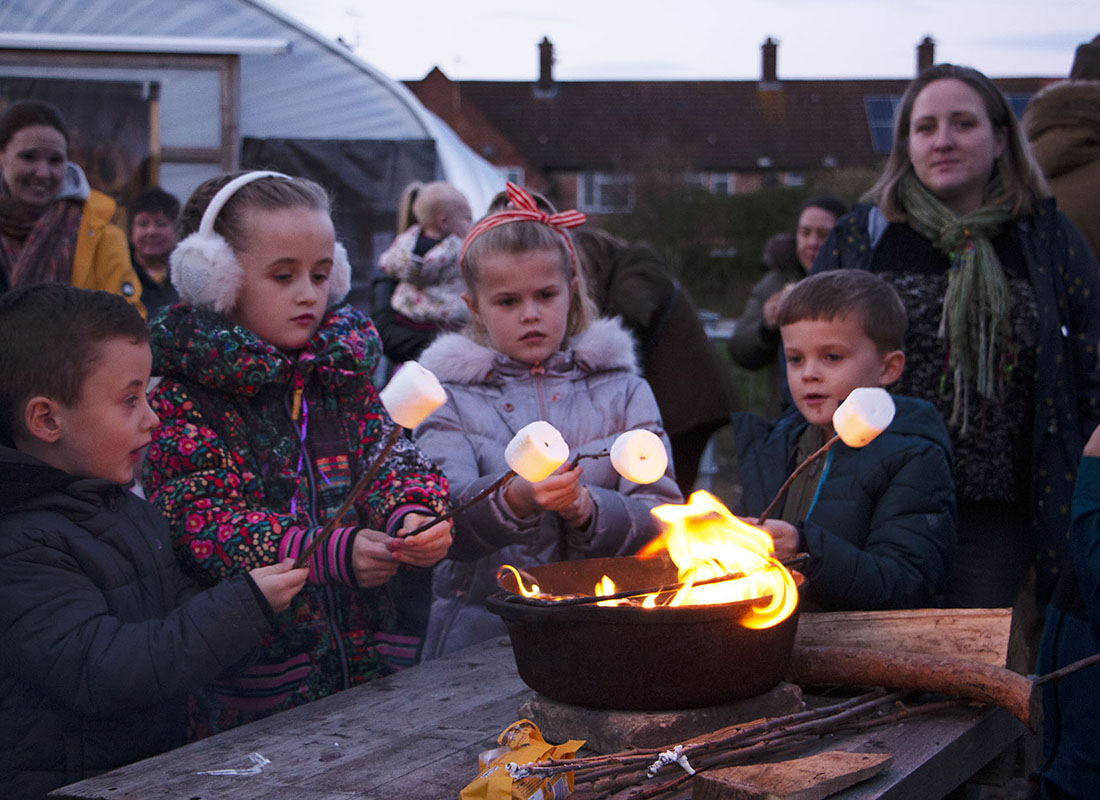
column 255, row 451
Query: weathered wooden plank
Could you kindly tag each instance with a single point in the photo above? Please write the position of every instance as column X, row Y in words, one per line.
column 979, row 634
column 417, row 734
column 811, row 778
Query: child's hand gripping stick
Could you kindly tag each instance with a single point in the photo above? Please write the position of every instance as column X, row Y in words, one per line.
column 410, row 397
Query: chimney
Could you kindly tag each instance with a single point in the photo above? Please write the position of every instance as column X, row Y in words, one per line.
column 926, row 54
column 546, row 64
column 768, row 73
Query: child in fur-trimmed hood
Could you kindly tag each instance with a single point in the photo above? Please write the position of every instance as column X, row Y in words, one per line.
column 531, row 352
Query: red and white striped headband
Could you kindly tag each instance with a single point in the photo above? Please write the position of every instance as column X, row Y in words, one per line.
column 525, row 209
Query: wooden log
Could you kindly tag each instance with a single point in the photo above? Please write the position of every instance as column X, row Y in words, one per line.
column 959, row 677
column 978, row 634
column 810, row 778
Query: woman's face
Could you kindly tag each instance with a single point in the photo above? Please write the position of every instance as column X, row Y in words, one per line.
column 952, row 143
column 33, row 164
column 810, row 233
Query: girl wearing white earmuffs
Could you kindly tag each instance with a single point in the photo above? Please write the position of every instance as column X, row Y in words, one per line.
column 268, row 416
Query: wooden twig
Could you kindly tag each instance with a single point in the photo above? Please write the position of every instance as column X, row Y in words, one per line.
column 1068, row 669
column 488, row 490
column 492, row 488
column 717, row 740
column 581, row 456
column 790, row 479
column 349, row 501
column 622, row 776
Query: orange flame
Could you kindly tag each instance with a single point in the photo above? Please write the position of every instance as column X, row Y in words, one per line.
column 532, row 592
column 705, row 541
column 606, row 586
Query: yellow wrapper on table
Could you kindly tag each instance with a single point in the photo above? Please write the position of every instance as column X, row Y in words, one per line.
column 521, row 743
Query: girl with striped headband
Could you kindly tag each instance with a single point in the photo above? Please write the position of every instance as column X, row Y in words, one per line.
column 533, row 350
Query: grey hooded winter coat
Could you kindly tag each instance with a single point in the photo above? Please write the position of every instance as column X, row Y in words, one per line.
column 591, row 392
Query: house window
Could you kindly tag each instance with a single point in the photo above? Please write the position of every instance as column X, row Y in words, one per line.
column 880, row 119
column 719, row 183
column 794, row 179
column 513, row 174
column 723, row 183
column 696, row 180
column 605, row 193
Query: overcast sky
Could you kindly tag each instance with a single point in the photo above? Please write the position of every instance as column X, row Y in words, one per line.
column 708, row 39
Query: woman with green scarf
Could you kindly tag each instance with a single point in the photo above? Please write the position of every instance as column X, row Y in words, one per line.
column 1004, row 317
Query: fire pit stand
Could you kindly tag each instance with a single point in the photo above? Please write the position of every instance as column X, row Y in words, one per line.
column 608, row 731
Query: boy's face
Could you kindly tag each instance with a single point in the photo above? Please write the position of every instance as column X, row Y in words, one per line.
column 153, row 234
column 826, row 359
column 103, row 434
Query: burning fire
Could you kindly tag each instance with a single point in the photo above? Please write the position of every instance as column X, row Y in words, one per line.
column 706, row 541
column 534, row 591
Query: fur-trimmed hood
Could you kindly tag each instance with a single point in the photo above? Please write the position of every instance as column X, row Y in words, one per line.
column 606, row 345
column 1063, row 123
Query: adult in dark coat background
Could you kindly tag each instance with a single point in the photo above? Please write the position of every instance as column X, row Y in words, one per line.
column 788, row 257
column 1063, row 125
column 693, row 387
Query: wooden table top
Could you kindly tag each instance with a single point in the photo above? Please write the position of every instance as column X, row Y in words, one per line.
column 417, row 734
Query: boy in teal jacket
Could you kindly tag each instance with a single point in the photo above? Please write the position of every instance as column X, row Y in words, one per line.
column 878, row 522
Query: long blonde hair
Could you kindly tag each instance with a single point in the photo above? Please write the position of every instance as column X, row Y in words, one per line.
column 1022, row 181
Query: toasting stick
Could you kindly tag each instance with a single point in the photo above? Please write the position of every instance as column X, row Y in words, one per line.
column 534, row 453
column 410, row 397
column 584, row 600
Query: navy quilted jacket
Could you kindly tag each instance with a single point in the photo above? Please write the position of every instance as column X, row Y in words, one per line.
column 101, row 634
column 881, row 532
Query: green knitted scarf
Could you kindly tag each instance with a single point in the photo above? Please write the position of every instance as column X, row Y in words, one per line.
column 975, row 319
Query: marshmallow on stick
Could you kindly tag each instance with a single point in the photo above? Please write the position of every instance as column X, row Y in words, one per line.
column 863, row 415
column 536, row 451
column 412, row 394
column 639, row 456
column 866, row 413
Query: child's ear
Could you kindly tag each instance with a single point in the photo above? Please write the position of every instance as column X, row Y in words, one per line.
column 42, row 419
column 471, row 303
column 893, row 363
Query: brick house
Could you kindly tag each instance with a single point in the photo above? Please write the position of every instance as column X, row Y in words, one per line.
column 584, row 143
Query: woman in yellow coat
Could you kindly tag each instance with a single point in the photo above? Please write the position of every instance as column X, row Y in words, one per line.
column 53, row 226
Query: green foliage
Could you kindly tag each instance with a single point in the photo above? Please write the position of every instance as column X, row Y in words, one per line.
column 714, row 244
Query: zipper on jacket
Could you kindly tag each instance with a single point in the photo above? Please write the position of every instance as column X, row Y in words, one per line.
column 537, row 373
column 294, row 408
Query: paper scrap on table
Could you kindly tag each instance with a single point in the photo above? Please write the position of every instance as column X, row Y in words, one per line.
column 258, row 764
column 536, row 451
column 521, row 743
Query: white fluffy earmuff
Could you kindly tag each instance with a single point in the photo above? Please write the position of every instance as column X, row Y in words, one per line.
column 205, row 271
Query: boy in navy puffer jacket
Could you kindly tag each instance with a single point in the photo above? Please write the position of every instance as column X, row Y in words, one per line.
column 102, row 636
column 878, row 521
